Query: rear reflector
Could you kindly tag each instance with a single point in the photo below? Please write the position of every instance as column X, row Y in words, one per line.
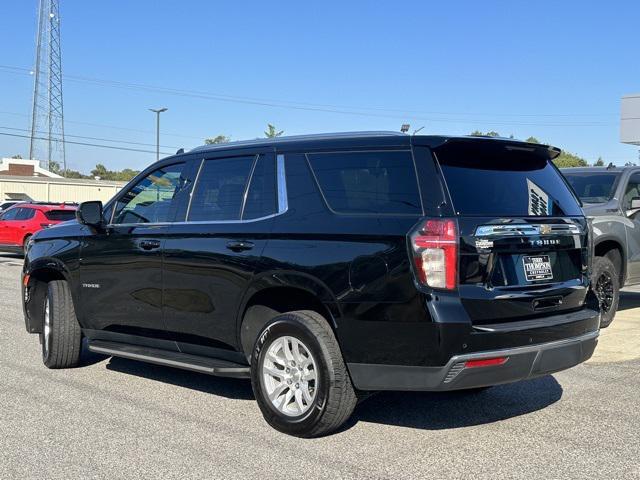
column 435, row 253
column 486, row 362
column 25, row 280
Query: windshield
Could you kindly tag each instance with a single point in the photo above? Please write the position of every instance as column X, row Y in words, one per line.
column 489, row 179
column 593, row 187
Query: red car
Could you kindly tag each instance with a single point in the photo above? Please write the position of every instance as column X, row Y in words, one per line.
column 19, row 222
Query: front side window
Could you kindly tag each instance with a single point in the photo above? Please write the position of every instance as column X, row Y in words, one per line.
column 219, row 193
column 151, row 200
column 368, row 182
column 632, row 192
column 10, row 214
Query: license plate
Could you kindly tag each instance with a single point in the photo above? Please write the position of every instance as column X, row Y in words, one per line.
column 537, row 268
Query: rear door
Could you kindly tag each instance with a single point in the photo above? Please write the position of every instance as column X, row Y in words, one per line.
column 210, row 258
column 523, row 238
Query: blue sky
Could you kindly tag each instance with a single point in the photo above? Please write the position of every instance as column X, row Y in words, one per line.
column 552, row 69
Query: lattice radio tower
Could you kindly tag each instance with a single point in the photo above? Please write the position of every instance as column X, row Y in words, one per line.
column 47, row 118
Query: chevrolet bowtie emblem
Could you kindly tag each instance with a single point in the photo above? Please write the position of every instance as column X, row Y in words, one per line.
column 545, row 229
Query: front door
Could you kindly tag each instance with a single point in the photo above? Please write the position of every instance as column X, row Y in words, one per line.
column 209, row 259
column 121, row 266
column 633, row 232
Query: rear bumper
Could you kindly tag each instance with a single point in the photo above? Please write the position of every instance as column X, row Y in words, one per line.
column 522, row 363
column 10, row 248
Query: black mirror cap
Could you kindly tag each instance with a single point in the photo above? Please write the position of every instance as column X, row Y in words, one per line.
column 90, row 213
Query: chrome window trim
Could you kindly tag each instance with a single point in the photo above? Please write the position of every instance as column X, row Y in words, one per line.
column 283, row 205
column 283, row 200
column 522, row 229
column 193, row 188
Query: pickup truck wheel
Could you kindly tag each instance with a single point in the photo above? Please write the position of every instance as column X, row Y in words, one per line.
column 299, row 378
column 605, row 282
column 61, row 337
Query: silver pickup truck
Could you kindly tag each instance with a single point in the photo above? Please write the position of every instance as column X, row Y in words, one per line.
column 611, row 198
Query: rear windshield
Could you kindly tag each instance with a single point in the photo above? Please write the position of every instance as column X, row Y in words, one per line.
column 60, row 215
column 593, row 187
column 496, row 180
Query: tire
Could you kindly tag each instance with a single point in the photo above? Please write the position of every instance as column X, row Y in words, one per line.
column 25, row 244
column 324, row 403
column 605, row 282
column 61, row 336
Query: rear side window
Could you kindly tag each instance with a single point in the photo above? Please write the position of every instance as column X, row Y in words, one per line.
column 25, row 214
column 219, row 193
column 368, row 182
column 491, row 178
column 60, row 215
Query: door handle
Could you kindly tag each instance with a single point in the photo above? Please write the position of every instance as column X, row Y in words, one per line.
column 239, row 246
column 149, row 244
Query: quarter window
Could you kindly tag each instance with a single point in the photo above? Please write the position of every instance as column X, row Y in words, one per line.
column 368, row 182
column 151, row 200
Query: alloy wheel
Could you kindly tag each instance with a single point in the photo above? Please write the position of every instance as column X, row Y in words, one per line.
column 290, row 376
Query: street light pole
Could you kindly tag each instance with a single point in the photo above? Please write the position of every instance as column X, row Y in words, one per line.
column 158, row 111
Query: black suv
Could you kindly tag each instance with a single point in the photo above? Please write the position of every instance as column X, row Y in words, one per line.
column 323, row 267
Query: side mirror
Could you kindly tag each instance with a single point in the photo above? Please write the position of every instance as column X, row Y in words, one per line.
column 90, row 213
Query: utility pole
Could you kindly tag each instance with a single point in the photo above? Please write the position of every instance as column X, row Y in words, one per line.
column 47, row 114
column 158, row 111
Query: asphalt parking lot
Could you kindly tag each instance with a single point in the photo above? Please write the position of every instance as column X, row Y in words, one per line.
column 115, row 418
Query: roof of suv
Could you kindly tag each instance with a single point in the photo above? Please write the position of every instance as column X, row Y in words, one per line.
column 614, row 169
column 46, row 206
column 386, row 137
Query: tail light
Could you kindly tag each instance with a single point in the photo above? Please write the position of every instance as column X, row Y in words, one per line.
column 435, row 253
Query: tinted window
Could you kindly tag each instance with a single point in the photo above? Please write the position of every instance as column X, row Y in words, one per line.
column 25, row 213
column 632, row 191
column 60, row 215
column 262, row 196
column 489, row 178
column 368, row 182
column 10, row 214
column 219, row 192
column 593, row 187
column 151, row 200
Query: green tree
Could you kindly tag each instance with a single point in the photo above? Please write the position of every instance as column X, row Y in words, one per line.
column 599, row 162
column 100, row 171
column 568, row 159
column 478, row 133
column 54, row 167
column 532, row 140
column 272, row 132
column 17, row 157
column 217, row 139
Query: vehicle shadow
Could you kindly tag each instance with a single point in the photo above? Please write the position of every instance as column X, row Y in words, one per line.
column 239, row 389
column 629, row 300
column 439, row 411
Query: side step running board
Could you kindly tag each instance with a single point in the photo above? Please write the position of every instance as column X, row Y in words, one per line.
column 212, row 366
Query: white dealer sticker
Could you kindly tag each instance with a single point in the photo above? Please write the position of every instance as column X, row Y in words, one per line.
column 537, row 268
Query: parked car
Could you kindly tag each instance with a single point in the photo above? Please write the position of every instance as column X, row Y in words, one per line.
column 324, row 267
column 19, row 222
column 611, row 198
column 10, row 203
